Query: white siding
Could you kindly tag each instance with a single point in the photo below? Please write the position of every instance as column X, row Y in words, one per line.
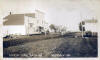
column 91, row 27
column 17, row 29
column 40, row 18
column 30, row 29
column 32, row 23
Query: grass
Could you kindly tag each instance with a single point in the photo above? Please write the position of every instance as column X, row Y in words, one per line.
column 51, row 46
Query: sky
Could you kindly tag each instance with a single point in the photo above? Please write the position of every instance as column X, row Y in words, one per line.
column 58, row 12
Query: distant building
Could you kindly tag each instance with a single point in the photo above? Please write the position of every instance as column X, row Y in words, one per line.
column 91, row 25
column 23, row 24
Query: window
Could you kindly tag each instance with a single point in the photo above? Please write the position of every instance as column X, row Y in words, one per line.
column 30, row 24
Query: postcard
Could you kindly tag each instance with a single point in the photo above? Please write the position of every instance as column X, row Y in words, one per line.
column 58, row 29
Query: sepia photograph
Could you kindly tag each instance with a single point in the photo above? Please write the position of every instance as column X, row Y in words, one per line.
column 49, row 29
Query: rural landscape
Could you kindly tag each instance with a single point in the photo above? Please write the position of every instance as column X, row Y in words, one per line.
column 49, row 29
column 50, row 46
column 57, row 44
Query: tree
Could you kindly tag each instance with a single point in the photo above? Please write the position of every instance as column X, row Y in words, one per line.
column 40, row 29
column 62, row 29
column 53, row 27
column 81, row 27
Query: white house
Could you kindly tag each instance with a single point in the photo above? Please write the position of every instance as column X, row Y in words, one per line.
column 23, row 24
column 91, row 25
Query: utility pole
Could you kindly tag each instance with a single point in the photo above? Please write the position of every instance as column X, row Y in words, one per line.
column 28, row 26
column 82, row 30
column 82, row 25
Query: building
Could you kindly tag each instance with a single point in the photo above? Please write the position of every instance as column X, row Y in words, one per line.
column 91, row 25
column 24, row 24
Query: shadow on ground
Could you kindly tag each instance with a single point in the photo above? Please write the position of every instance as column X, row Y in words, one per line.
column 78, row 47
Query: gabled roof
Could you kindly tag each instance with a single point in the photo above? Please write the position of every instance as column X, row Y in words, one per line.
column 91, row 21
column 17, row 19
column 14, row 19
column 30, row 14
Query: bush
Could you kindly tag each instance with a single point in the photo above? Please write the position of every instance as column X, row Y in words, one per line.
column 88, row 34
column 8, row 36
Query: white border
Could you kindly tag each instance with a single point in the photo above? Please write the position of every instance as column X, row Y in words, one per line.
column 97, row 13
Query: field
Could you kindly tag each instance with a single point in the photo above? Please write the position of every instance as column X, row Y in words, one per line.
column 52, row 46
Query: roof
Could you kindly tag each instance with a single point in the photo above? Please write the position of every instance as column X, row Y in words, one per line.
column 30, row 14
column 39, row 11
column 17, row 19
column 91, row 21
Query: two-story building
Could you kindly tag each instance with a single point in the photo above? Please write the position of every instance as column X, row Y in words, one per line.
column 24, row 24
